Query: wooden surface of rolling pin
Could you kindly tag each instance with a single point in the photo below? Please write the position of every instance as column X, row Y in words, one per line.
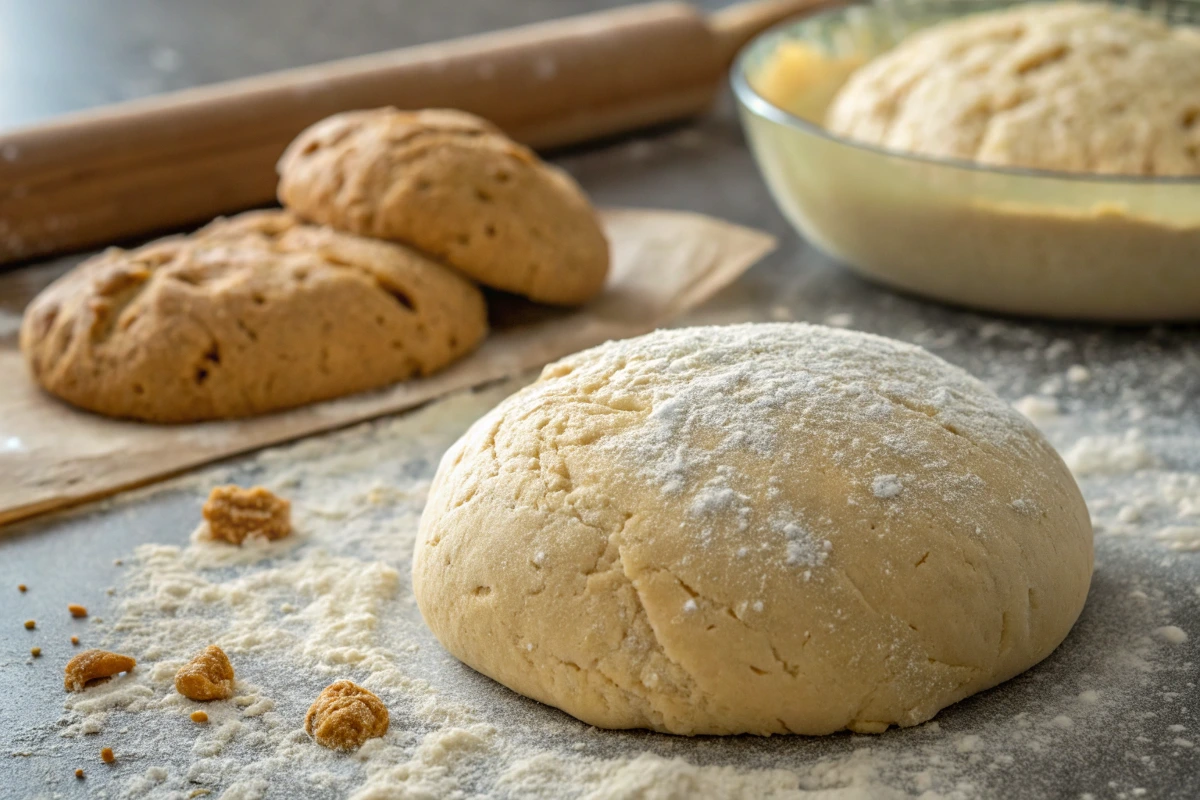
column 145, row 166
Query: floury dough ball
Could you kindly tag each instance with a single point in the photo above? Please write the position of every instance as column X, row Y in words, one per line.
column 752, row 529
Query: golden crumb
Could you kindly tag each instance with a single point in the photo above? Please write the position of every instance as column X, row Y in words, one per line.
column 117, row 562
column 78, row 773
column 30, row 624
column 74, row 640
column 199, row 792
column 77, row 610
column 345, row 715
column 36, row 652
column 22, row 587
column 94, row 665
column 233, row 513
column 106, row 755
column 208, row 676
column 199, row 717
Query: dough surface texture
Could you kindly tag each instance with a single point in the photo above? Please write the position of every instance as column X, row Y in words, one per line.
column 251, row 314
column 758, row 529
column 1077, row 87
column 452, row 185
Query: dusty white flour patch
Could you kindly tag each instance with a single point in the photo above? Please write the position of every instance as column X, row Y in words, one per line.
column 709, row 416
column 543, row 776
column 1180, row 537
column 886, row 486
column 1077, row 374
column 1172, row 634
column 1107, row 454
column 1040, row 410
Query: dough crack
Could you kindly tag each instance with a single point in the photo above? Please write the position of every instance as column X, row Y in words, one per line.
column 859, row 593
column 790, row 669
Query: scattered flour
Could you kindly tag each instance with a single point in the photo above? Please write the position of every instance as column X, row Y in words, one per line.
column 543, row 776
column 1077, row 373
column 1171, row 634
column 333, row 601
column 1106, row 454
column 886, row 486
column 1039, row 409
column 713, row 412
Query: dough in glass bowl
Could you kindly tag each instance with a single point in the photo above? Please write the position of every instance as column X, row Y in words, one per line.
column 1074, row 87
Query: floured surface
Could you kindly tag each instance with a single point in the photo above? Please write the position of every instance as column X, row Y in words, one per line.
column 663, row 263
column 334, row 601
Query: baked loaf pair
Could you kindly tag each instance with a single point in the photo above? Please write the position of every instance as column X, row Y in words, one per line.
column 268, row 310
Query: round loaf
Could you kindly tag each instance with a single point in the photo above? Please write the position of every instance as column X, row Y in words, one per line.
column 1061, row 86
column 752, row 529
column 248, row 315
column 451, row 185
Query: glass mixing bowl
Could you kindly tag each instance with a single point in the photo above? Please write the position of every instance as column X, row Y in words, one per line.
column 1051, row 244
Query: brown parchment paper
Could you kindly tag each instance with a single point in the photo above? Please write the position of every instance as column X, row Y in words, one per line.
column 664, row 263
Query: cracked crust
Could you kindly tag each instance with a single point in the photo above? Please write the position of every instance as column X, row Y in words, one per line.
column 551, row 560
column 1063, row 86
column 452, row 185
column 249, row 315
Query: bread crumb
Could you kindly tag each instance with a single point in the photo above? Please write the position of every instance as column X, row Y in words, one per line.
column 94, row 665
column 22, row 587
column 106, row 755
column 78, row 773
column 74, row 640
column 208, row 676
column 30, row 624
column 77, row 610
column 36, row 652
column 199, row 717
column 345, row 715
column 233, row 513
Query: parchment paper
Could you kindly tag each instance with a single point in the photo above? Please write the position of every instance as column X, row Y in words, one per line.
column 52, row 455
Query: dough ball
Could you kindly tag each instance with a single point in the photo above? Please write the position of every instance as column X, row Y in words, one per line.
column 1061, row 86
column 251, row 314
column 452, row 185
column 752, row 529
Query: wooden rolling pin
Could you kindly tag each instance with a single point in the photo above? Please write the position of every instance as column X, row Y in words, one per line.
column 149, row 165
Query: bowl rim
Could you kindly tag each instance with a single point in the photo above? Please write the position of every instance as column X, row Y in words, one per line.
column 754, row 102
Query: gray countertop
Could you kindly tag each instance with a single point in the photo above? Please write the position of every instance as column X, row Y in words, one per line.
column 1115, row 712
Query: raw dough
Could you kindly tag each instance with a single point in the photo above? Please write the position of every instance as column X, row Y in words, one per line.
column 248, row 315
column 759, row 528
column 451, row 184
column 1074, row 87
